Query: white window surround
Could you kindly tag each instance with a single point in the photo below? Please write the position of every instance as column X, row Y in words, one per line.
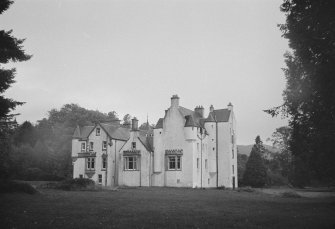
column 90, row 163
column 130, row 163
column 174, row 162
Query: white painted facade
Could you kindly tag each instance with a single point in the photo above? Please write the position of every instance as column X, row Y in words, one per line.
column 185, row 149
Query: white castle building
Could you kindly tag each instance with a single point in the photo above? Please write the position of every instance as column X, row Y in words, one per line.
column 185, row 149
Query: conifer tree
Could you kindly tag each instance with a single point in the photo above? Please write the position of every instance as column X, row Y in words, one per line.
column 255, row 173
column 11, row 50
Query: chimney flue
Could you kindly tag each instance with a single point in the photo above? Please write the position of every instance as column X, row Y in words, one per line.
column 174, row 101
column 134, row 124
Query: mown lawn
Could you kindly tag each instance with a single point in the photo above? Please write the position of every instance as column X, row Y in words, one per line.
column 163, row 208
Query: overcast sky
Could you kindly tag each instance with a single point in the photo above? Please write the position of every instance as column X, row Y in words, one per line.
column 132, row 56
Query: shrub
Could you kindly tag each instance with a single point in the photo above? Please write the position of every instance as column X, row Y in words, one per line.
column 77, row 184
column 13, row 186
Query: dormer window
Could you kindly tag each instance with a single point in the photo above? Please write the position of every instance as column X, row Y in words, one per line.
column 133, row 145
column 97, row 132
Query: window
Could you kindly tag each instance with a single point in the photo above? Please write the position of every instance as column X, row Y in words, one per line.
column 232, row 139
column 212, row 126
column 174, row 162
column 198, row 147
column 130, row 163
column 97, row 131
column 206, row 164
column 80, row 176
column 232, row 168
column 90, row 163
column 197, row 163
column 104, row 145
column 104, row 162
column 99, row 178
column 83, row 146
column 208, row 180
column 133, row 145
column 213, row 148
column 232, row 152
column 91, row 146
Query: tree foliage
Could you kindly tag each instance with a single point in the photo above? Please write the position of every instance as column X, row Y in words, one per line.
column 11, row 50
column 255, row 173
column 43, row 151
column 309, row 97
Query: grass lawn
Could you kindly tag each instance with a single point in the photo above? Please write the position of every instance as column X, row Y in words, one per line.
column 163, row 208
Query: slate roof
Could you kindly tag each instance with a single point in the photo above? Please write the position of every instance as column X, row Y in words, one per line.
column 113, row 130
column 159, row 123
column 221, row 115
column 147, row 139
column 82, row 132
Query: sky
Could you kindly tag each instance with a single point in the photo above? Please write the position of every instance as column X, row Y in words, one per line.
column 131, row 56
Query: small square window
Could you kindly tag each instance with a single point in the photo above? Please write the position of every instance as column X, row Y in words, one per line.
column 97, row 132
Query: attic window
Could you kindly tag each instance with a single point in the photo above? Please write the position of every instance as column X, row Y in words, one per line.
column 97, row 132
column 133, row 145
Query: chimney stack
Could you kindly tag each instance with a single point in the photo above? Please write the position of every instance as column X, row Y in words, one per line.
column 211, row 108
column 230, row 106
column 134, row 124
column 175, row 101
column 199, row 110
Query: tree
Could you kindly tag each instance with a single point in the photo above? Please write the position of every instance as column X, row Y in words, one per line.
column 11, row 50
column 309, row 97
column 126, row 119
column 255, row 173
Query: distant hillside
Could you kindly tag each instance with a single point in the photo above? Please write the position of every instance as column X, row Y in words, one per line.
column 246, row 149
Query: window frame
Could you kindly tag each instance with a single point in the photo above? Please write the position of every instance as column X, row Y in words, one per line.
column 104, row 145
column 176, row 161
column 83, row 149
column 134, row 162
column 90, row 163
column 104, row 163
column 91, row 147
column 133, row 145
